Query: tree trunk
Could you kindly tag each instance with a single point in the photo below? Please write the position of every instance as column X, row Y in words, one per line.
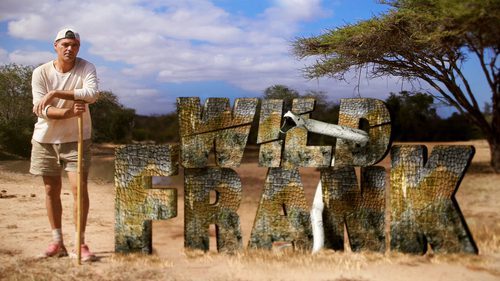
column 495, row 156
column 494, row 140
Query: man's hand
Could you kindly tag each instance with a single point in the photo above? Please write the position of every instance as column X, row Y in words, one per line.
column 78, row 108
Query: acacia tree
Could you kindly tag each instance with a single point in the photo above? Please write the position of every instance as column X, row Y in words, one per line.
column 425, row 40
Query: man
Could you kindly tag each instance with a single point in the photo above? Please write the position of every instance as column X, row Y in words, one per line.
column 62, row 90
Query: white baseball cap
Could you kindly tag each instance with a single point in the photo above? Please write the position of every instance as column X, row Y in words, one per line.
column 67, row 33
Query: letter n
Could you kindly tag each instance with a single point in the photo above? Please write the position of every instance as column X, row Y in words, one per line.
column 136, row 203
column 424, row 209
column 362, row 210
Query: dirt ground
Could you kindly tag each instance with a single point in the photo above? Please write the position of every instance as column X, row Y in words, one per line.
column 25, row 232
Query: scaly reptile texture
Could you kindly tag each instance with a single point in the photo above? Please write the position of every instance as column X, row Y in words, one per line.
column 136, row 203
column 283, row 213
column 376, row 114
column 229, row 130
column 297, row 153
column 362, row 210
column 199, row 214
column 269, row 133
column 423, row 206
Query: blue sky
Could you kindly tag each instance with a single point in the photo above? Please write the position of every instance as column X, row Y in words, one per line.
column 148, row 52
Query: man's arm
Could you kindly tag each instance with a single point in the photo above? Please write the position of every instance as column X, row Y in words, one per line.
column 63, row 113
column 87, row 93
column 48, row 111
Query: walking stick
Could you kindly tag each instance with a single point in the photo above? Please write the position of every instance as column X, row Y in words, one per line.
column 79, row 172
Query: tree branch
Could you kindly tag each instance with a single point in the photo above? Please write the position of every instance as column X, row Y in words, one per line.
column 480, row 55
column 447, row 97
column 467, row 86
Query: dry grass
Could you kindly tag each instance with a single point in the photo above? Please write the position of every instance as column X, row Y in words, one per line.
column 116, row 267
column 246, row 265
column 487, row 238
column 478, row 198
column 290, row 259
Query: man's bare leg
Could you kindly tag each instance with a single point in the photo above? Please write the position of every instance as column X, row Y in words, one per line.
column 53, row 200
column 73, row 180
column 53, row 205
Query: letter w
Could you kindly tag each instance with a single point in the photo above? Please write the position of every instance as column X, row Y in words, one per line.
column 216, row 126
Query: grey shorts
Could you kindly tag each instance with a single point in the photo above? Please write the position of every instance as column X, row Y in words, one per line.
column 49, row 159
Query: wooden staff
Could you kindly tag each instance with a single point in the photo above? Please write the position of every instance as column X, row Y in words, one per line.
column 79, row 173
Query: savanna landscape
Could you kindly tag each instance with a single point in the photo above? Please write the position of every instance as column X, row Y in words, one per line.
column 25, row 232
column 447, row 51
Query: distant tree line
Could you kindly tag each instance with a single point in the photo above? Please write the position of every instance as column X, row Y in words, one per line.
column 413, row 114
column 324, row 110
column 16, row 110
column 414, row 118
column 111, row 121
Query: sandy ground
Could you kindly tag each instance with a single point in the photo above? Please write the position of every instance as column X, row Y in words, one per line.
column 24, row 233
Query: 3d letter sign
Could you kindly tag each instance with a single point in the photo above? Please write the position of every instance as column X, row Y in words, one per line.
column 423, row 208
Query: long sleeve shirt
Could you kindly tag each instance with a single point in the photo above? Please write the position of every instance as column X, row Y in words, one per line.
column 83, row 80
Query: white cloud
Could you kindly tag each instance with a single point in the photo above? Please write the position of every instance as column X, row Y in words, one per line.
column 24, row 57
column 133, row 94
column 12, row 9
column 30, row 57
column 165, row 41
column 299, row 9
column 29, row 27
